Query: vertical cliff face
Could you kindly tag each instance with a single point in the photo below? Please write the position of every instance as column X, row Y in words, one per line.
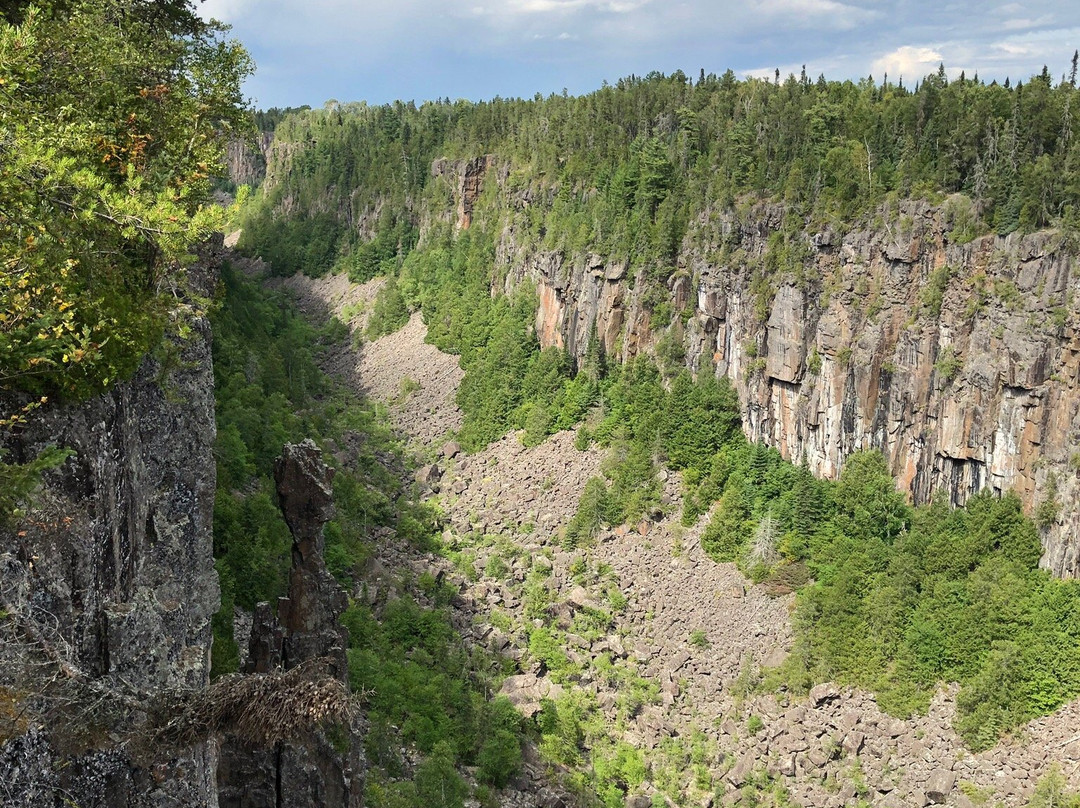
column 245, row 162
column 466, row 178
column 959, row 361
column 108, row 586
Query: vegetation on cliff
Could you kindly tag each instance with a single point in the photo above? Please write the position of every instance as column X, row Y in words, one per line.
column 624, row 170
column 113, row 117
column 892, row 598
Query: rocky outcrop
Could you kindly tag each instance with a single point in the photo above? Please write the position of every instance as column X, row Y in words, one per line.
column 467, row 180
column 305, row 629
column 961, row 362
column 309, row 615
column 107, row 588
column 578, row 293
column 245, row 161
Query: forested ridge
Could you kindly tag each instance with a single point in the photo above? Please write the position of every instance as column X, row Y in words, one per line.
column 627, row 167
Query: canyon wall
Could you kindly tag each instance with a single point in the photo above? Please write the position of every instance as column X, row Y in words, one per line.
column 956, row 356
column 959, row 361
column 245, row 161
column 107, row 588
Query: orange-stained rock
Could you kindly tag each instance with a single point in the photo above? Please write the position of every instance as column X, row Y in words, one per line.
column 979, row 390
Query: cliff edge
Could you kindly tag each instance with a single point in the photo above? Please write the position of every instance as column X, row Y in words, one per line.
column 107, row 587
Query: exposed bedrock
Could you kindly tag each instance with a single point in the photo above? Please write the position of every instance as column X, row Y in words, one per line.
column 108, row 586
column 959, row 361
column 319, row 770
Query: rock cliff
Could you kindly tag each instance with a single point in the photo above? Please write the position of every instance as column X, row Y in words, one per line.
column 107, row 588
column 467, row 179
column 959, row 361
column 246, row 161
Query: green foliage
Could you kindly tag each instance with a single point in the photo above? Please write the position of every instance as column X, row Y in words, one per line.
column 438, row 785
column 266, row 385
column 390, row 311
column 726, row 534
column 509, row 382
column 619, row 768
column 412, row 663
column 900, row 597
column 953, row 595
column 625, row 169
column 1052, row 792
column 114, row 117
column 395, row 236
column 948, row 364
column 499, row 757
column 932, row 295
column 545, row 648
column 18, row 481
column 1048, row 509
column 593, row 509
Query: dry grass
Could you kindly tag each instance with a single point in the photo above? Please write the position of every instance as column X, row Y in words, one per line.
column 13, row 720
column 83, row 712
column 787, row 578
column 259, row 709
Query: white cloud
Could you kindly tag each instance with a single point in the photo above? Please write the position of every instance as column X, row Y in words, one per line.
column 1026, row 23
column 425, row 48
column 1012, row 48
column 566, row 6
column 909, row 61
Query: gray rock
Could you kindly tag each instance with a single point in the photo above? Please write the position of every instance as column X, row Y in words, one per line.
column 853, row 743
column 429, row 476
column 940, row 786
column 826, row 692
column 740, row 772
column 116, row 572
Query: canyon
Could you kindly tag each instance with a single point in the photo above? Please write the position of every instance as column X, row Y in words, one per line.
column 957, row 357
column 697, row 629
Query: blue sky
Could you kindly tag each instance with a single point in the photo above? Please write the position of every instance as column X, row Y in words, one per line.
column 312, row 51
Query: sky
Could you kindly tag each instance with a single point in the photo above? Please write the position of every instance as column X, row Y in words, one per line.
column 313, row 51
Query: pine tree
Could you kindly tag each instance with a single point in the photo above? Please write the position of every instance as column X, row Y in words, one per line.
column 807, row 501
column 594, row 363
